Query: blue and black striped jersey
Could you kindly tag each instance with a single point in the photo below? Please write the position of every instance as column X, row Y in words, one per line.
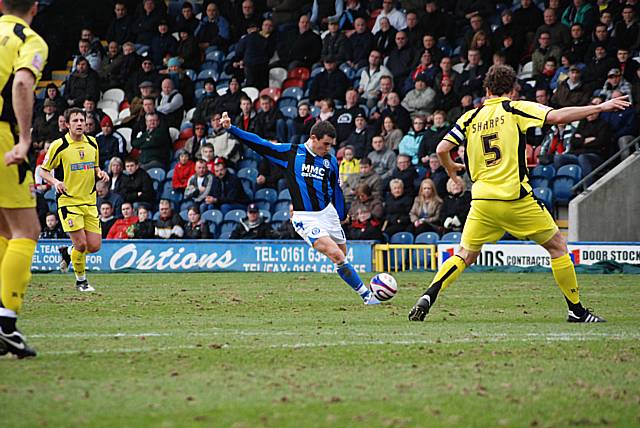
column 313, row 180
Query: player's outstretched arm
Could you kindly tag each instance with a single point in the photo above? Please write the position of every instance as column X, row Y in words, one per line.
column 444, row 154
column 22, row 99
column 49, row 178
column 277, row 153
column 571, row 114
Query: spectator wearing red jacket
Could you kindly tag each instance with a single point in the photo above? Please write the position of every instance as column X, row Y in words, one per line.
column 184, row 169
column 119, row 228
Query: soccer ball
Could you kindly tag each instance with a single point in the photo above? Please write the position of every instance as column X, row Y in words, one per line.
column 383, row 286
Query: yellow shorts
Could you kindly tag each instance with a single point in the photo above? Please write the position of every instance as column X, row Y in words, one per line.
column 80, row 217
column 525, row 218
column 16, row 181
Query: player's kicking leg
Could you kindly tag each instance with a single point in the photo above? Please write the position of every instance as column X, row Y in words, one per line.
column 448, row 272
column 565, row 276
column 337, row 254
column 19, row 230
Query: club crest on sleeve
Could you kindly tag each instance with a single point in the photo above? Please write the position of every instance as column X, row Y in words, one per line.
column 70, row 222
column 326, row 163
column 81, row 153
column 315, row 231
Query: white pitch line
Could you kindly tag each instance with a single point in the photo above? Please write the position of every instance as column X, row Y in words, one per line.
column 503, row 338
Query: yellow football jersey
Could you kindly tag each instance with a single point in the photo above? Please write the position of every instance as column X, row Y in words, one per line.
column 20, row 47
column 495, row 154
column 74, row 163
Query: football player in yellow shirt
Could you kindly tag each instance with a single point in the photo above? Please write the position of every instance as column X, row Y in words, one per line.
column 23, row 54
column 74, row 161
column 502, row 198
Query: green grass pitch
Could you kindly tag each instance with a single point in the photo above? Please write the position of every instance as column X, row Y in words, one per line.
column 300, row 350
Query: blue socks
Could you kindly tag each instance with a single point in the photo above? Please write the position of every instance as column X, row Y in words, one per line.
column 351, row 277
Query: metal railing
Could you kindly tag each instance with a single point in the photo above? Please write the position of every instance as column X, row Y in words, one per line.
column 580, row 185
column 403, row 257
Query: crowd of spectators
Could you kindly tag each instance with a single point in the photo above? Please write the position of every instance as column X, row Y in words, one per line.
column 392, row 76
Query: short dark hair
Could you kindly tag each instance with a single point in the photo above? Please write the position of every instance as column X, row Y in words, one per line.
column 129, row 159
column 366, row 161
column 18, row 6
column 323, row 128
column 73, row 110
column 500, row 79
column 106, row 203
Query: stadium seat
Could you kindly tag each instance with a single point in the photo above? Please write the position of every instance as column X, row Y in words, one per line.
column 215, row 55
column 280, row 216
column 169, row 175
column 544, row 171
column 347, row 70
column 539, row 182
column 213, row 229
column 401, row 238
column 293, row 83
column 184, row 215
column 247, row 185
column 189, row 115
column 293, row 92
column 249, row 173
column 545, row 195
column 284, row 195
column 427, row 238
column 248, row 163
column 212, row 216
column 263, row 205
column 251, row 92
column 207, row 73
column 266, row 215
column 451, row 236
column 111, row 112
column 174, row 133
column 278, row 74
column 114, row 94
column 235, row 215
column 124, row 113
column 287, row 102
column 562, row 190
column 157, row 174
column 274, row 93
column 156, row 185
column 572, row 171
column 315, row 111
column 266, row 194
column 108, row 104
column 281, row 206
column 289, row 112
column 171, row 195
column 226, row 228
column 526, row 72
column 302, row 73
column 275, row 225
column 315, row 72
column 191, row 74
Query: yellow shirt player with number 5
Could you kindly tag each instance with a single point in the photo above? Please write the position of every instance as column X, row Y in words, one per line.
column 502, row 198
column 23, row 55
column 74, row 161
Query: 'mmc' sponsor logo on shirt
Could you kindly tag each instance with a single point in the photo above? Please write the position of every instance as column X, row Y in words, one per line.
column 82, row 166
column 313, row 171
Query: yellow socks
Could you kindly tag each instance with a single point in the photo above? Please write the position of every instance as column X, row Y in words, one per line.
column 565, row 276
column 16, row 272
column 78, row 259
column 4, row 242
column 449, row 271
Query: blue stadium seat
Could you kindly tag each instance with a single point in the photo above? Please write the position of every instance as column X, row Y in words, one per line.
column 156, row 216
column 427, row 238
column 225, row 235
column 544, row 171
column 170, row 174
column 215, row 55
column 157, row 174
column 247, row 185
column 53, row 206
column 284, row 195
column 167, row 186
column 562, row 190
column 451, row 236
column 250, row 173
column 572, row 171
column 185, row 205
column 213, row 229
column 539, row 182
column 226, row 228
column 208, row 73
column 266, row 215
column 263, row 205
column 292, row 92
column 275, row 225
column 210, row 65
column 235, row 215
column 156, row 185
column 266, row 194
column 171, row 195
column 347, row 70
column 545, row 195
column 191, row 74
column 248, row 163
column 288, row 102
column 184, row 214
column 401, row 238
column 50, row 195
column 289, row 112
column 199, row 93
column 315, row 111
column 213, row 216
column 315, row 72
column 281, row 206
column 280, row 216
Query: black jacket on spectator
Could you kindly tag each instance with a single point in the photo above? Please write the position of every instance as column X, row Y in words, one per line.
column 456, row 205
column 146, row 26
column 246, row 230
column 360, row 141
column 329, row 85
column 251, row 123
column 82, row 86
column 361, row 45
column 189, row 52
column 115, row 200
column 266, row 123
column 302, row 48
column 110, row 146
column 230, row 103
column 256, row 49
column 45, row 130
column 627, row 37
column 396, row 213
column 400, row 116
column 137, row 78
column 138, row 182
column 431, row 139
column 121, row 30
column 400, row 63
column 346, row 121
column 206, row 107
column 408, row 176
column 440, row 178
column 599, row 129
column 336, row 46
column 162, row 44
column 438, row 24
column 197, row 231
column 369, row 230
column 229, row 190
column 181, row 24
column 144, row 229
column 385, row 41
column 286, row 231
column 527, row 20
column 595, row 73
column 55, row 233
column 271, row 172
column 106, row 226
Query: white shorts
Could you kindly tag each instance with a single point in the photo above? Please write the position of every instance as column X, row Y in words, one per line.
column 312, row 225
